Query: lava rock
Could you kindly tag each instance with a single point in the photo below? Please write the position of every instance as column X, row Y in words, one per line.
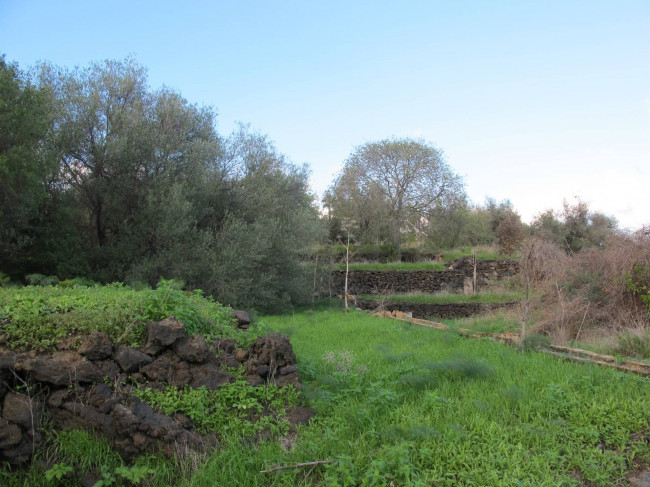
column 97, row 346
column 193, row 349
column 162, row 334
column 130, row 360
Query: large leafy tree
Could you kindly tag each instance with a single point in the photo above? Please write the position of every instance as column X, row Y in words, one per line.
column 134, row 184
column 27, row 170
column 129, row 154
column 393, row 186
column 271, row 220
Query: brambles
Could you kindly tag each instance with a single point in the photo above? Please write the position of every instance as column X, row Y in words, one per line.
column 599, row 292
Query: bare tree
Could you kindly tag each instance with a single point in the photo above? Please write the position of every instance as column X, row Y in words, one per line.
column 541, row 260
column 404, row 180
column 346, row 226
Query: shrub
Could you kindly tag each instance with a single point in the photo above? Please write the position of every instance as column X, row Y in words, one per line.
column 634, row 344
column 41, row 280
column 599, row 289
column 535, row 342
column 638, row 283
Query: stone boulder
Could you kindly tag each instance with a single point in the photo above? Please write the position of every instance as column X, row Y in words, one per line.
column 242, row 317
column 169, row 368
column 163, row 334
column 21, row 410
column 210, row 376
column 270, row 354
column 72, row 392
column 61, row 369
column 130, row 360
column 192, row 349
column 97, row 346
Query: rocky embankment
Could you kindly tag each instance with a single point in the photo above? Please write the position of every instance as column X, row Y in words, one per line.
column 91, row 387
column 457, row 278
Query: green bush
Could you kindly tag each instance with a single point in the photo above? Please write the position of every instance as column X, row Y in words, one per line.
column 535, row 342
column 638, row 282
column 41, row 280
column 634, row 345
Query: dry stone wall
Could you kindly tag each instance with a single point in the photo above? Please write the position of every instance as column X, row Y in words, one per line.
column 486, row 270
column 91, row 387
column 393, row 282
column 456, row 279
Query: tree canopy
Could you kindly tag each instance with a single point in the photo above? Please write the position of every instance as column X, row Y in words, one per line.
column 105, row 178
column 394, row 186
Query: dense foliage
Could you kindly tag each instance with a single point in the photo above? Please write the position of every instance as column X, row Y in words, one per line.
column 105, row 178
column 391, row 186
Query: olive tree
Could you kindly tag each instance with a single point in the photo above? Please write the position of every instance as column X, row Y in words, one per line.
column 27, row 168
column 393, row 186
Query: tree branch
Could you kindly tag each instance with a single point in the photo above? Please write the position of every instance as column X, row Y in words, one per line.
column 297, row 465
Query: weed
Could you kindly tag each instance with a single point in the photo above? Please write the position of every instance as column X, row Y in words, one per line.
column 535, row 342
column 464, row 367
column 634, row 344
column 58, row 472
column 39, row 317
column 492, row 416
column 235, row 408
column 481, row 297
column 41, row 280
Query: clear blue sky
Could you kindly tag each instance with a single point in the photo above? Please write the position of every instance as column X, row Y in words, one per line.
column 534, row 101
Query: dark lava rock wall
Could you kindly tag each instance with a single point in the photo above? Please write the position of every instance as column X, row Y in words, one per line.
column 454, row 279
column 90, row 387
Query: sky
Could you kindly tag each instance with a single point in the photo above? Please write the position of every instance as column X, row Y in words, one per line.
column 531, row 101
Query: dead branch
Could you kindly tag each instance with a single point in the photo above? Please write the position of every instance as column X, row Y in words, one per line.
column 297, row 465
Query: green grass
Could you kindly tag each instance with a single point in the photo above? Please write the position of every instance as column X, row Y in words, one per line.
column 40, row 317
column 482, row 297
column 395, row 266
column 407, row 405
column 482, row 253
column 497, row 321
column 421, row 407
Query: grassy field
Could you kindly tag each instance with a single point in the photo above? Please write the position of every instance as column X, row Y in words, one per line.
column 497, row 321
column 482, row 253
column 395, row 266
column 402, row 405
column 481, row 297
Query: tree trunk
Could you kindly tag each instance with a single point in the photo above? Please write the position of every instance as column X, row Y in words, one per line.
column 347, row 271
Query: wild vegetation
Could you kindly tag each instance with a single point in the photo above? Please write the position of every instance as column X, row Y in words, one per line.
column 40, row 317
column 598, row 296
column 402, row 404
column 107, row 179
column 480, row 297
